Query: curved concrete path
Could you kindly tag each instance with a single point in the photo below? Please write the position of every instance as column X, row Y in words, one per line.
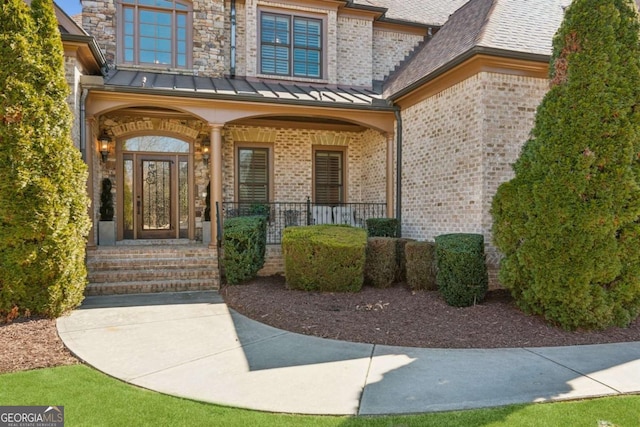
column 191, row 345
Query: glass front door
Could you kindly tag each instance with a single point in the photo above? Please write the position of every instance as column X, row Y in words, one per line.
column 155, row 201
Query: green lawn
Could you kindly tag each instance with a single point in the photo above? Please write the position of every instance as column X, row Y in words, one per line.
column 93, row 399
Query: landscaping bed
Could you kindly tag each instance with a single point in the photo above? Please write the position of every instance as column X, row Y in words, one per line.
column 399, row 316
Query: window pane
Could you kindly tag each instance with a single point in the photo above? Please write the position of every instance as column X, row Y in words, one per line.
column 147, row 43
column 164, row 3
column 147, row 17
column 128, row 42
column 128, row 55
column 182, row 20
column 164, row 32
column 163, row 58
column 164, row 18
column 148, row 30
column 181, row 6
column 164, row 45
column 161, row 144
column 128, row 28
column 148, row 57
column 182, row 60
column 128, row 14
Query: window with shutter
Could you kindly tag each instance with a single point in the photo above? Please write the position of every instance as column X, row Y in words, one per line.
column 253, row 175
column 329, row 177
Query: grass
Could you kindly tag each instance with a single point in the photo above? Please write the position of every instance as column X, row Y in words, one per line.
column 93, row 399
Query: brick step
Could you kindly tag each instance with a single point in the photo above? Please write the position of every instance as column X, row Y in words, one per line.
column 115, row 288
column 151, row 263
column 139, row 252
column 138, row 275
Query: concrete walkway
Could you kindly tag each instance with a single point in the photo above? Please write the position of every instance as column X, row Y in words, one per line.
column 191, row 345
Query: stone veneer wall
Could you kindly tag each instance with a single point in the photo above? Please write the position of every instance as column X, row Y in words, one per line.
column 390, row 48
column 292, row 160
column 355, row 47
column 211, row 25
column 458, row 147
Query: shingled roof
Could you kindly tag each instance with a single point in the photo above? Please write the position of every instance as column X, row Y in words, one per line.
column 501, row 27
column 428, row 12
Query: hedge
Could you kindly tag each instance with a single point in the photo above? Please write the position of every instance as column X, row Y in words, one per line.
column 382, row 227
column 324, row 257
column 462, row 273
column 244, row 242
column 382, row 262
column 421, row 265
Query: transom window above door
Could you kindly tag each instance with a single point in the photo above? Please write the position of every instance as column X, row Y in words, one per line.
column 290, row 45
column 155, row 32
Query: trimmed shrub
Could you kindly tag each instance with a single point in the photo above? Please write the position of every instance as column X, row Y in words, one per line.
column 568, row 222
column 324, row 257
column 43, row 202
column 106, row 201
column 401, row 271
column 381, row 265
column 462, row 273
column 382, row 227
column 421, row 265
column 244, row 241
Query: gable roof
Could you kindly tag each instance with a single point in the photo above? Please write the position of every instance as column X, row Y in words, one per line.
column 516, row 28
column 428, row 12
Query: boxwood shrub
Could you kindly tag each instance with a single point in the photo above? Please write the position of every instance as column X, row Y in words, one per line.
column 401, row 270
column 324, row 257
column 382, row 262
column 421, row 265
column 382, row 227
column 244, row 240
column 462, row 272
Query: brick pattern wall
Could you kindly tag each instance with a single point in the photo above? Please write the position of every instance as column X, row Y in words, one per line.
column 509, row 105
column 292, row 159
column 355, row 47
column 458, row 147
column 389, row 49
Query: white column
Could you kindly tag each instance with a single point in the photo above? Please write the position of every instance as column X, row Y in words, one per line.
column 215, row 178
column 390, row 174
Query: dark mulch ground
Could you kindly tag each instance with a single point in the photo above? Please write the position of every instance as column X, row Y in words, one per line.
column 398, row 316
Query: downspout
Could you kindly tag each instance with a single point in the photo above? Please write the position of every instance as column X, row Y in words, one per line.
column 232, row 67
column 399, row 169
column 83, row 142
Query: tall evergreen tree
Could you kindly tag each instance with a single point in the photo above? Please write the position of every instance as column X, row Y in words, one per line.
column 43, row 205
column 568, row 223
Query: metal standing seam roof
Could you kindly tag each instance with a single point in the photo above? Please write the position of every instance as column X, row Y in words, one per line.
column 243, row 89
column 511, row 26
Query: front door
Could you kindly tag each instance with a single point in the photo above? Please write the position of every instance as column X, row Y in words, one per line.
column 156, row 198
column 156, row 192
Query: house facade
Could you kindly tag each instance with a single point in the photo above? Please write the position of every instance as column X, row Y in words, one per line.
column 204, row 109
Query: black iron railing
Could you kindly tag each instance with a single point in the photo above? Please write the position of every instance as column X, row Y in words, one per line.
column 286, row 214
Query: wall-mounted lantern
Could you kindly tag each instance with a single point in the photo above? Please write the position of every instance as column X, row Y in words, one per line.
column 104, row 140
column 205, row 151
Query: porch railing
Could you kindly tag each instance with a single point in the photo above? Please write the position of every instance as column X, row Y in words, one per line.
column 286, row 214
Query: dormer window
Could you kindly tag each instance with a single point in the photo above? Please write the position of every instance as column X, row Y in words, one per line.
column 156, row 32
column 290, row 45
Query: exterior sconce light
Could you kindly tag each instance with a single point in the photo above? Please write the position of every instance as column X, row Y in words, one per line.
column 205, row 151
column 104, row 145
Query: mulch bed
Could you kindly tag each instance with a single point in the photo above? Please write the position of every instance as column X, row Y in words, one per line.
column 401, row 317
column 32, row 343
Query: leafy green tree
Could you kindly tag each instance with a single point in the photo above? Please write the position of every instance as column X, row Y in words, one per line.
column 43, row 205
column 568, row 223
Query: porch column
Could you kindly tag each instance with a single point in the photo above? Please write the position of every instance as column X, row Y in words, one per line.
column 215, row 178
column 89, row 144
column 390, row 172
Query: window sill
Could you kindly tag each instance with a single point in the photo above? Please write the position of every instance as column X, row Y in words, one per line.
column 292, row 79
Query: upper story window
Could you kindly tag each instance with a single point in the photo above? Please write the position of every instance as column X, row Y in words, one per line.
column 290, row 45
column 155, row 32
